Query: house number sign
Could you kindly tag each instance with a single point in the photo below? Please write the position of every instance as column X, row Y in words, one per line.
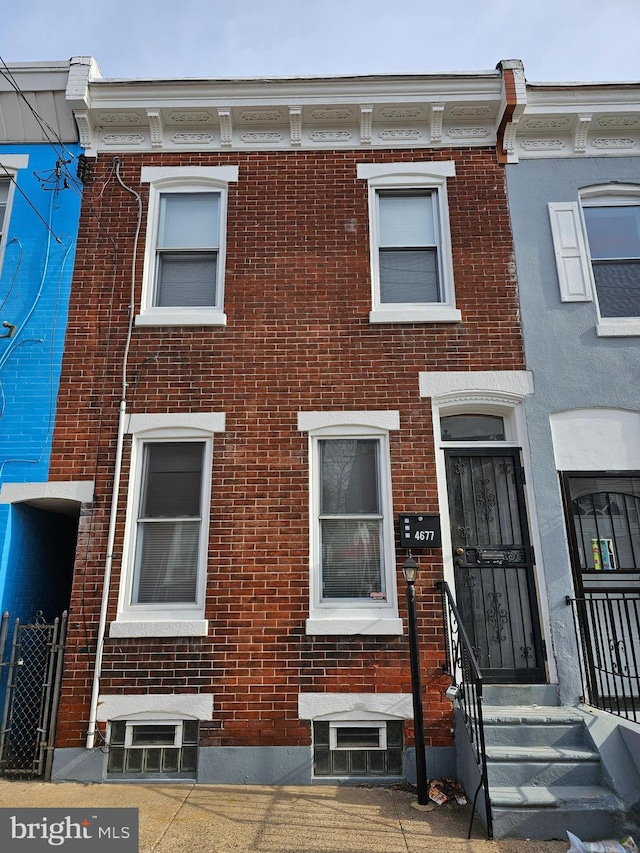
column 420, row 531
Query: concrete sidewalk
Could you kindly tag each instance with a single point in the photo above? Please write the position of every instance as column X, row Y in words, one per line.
column 238, row 819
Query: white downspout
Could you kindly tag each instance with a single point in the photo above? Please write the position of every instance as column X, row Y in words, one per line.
column 102, row 624
column 113, row 517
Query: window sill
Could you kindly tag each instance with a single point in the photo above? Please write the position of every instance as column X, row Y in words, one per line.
column 327, row 627
column 417, row 314
column 182, row 317
column 150, row 628
column 622, row 328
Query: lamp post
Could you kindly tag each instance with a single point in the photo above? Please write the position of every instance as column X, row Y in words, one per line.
column 410, row 572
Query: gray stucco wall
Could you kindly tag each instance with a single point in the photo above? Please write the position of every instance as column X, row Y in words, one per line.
column 572, row 368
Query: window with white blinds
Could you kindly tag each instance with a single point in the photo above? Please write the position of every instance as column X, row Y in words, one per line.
column 169, row 524
column 350, row 519
column 408, row 252
column 187, row 250
column 410, row 242
column 185, row 245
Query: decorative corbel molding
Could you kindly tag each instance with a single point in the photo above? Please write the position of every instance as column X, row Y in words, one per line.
column 226, row 128
column 580, row 135
column 295, row 125
column 155, row 126
column 437, row 118
column 366, row 123
column 85, row 131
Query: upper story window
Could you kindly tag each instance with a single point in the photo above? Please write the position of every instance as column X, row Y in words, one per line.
column 183, row 281
column 352, row 552
column 6, row 196
column 411, row 265
column 614, row 243
column 187, row 250
column 5, row 183
column 597, row 248
column 162, row 587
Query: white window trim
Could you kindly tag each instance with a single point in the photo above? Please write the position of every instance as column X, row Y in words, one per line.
column 619, row 195
column 174, row 179
column 355, row 706
column 179, row 620
column 573, row 258
column 155, row 706
column 10, row 165
column 370, row 617
column 408, row 176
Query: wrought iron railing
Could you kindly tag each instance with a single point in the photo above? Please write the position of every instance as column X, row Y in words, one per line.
column 466, row 693
column 607, row 624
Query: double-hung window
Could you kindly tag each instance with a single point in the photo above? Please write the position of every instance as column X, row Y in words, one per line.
column 597, row 248
column 163, row 582
column 169, row 523
column 183, row 280
column 352, row 552
column 8, row 164
column 5, row 184
column 350, row 519
column 613, row 231
column 411, row 263
column 187, row 250
column 408, row 252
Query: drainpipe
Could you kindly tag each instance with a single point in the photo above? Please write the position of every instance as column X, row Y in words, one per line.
column 106, row 584
column 113, row 517
column 512, row 106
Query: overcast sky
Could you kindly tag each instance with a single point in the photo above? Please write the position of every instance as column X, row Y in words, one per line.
column 558, row 40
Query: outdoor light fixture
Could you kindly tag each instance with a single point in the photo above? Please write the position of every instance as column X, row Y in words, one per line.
column 410, row 572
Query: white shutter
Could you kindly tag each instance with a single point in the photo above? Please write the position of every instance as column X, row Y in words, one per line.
column 572, row 257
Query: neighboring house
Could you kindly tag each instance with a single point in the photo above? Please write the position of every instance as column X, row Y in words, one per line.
column 40, row 196
column 574, row 193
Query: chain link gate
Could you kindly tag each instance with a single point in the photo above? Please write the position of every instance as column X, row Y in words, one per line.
column 30, row 676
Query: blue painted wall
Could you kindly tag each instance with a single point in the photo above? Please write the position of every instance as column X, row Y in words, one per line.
column 572, row 368
column 35, row 283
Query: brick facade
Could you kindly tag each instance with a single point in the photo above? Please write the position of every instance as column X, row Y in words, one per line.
column 298, row 338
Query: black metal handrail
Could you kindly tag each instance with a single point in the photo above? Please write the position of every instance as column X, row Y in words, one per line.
column 607, row 626
column 466, row 679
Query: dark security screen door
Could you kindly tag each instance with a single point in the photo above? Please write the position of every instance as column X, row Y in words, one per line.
column 493, row 563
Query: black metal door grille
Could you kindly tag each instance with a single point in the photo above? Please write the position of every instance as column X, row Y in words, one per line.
column 494, row 563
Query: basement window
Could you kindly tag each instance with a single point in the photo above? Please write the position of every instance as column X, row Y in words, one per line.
column 357, row 748
column 165, row 749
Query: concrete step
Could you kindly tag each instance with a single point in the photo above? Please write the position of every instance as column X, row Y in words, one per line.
column 559, row 727
column 524, row 695
column 542, row 766
column 546, row 812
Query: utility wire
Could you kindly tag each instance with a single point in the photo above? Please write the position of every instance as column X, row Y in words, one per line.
column 30, row 203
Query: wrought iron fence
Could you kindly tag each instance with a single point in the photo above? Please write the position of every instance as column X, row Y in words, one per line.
column 30, row 676
column 466, row 680
column 607, row 624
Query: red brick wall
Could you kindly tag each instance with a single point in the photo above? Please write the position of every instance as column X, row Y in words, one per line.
column 297, row 296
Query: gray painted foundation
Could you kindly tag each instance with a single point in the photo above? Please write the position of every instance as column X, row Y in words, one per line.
column 247, row 765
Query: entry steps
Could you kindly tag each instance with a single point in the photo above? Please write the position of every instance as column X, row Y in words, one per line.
column 545, row 776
